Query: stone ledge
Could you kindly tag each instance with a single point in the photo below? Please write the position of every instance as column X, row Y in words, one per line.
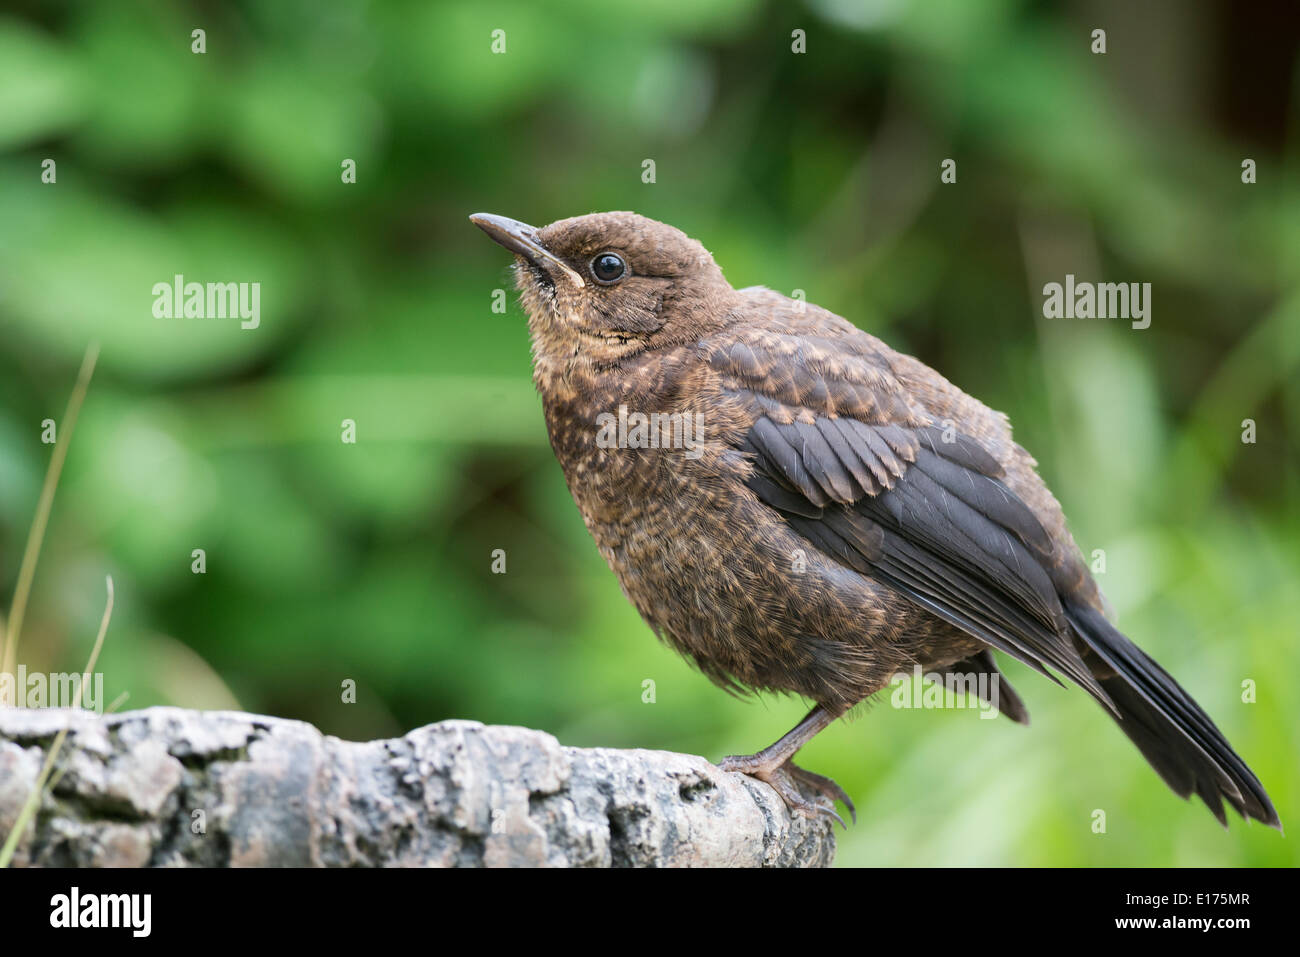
column 167, row 787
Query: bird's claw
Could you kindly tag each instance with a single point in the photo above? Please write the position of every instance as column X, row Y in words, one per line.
column 785, row 779
column 824, row 786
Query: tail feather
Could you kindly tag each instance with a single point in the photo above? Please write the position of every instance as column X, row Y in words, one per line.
column 1178, row 739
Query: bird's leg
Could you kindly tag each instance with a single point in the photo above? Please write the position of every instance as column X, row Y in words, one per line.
column 775, row 755
column 774, row 765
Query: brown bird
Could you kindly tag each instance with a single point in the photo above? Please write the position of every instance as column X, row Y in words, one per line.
column 797, row 507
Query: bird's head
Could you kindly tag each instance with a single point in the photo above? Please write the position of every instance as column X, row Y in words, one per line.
column 601, row 288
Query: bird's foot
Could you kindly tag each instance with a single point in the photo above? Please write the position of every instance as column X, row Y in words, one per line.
column 785, row 778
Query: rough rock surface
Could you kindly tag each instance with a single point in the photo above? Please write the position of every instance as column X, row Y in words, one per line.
column 169, row 787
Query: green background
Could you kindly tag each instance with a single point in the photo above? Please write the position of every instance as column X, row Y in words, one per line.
column 819, row 172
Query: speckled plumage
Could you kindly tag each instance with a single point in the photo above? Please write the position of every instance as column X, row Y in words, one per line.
column 848, row 513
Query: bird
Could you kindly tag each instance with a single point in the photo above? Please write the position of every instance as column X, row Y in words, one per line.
column 797, row 508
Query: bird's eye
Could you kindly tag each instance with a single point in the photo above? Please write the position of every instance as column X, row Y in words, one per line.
column 608, row 267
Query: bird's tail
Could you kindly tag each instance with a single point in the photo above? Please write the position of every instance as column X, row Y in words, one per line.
column 1169, row 728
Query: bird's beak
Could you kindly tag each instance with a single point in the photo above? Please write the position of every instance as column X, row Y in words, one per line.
column 521, row 239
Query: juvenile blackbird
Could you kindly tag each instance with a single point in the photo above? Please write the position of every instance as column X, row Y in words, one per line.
column 844, row 514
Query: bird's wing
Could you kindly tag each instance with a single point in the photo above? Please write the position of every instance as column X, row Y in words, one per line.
column 860, row 468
